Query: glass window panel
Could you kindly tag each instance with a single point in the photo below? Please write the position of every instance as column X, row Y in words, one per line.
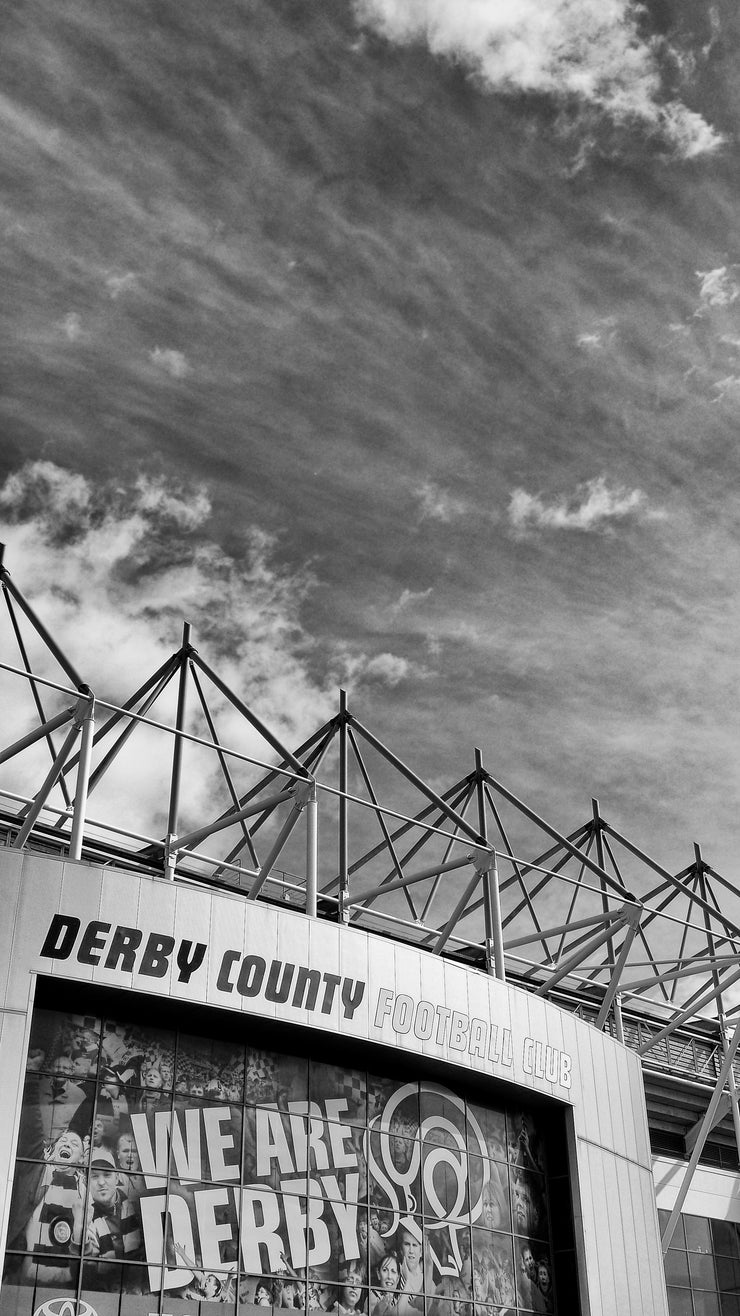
column 445, row 1182
column 526, row 1251
column 52, row 1105
column 526, row 1146
column 698, row 1238
column 258, row 1292
column 273, row 1231
column 210, row 1069
column 701, row 1270
column 706, row 1304
column 390, row 1097
column 207, row 1139
column 47, row 1212
column 442, row 1116
column 728, row 1274
column 16, row 1297
column 676, row 1268
column 726, row 1237
column 71, row 1038
column 409, row 1247
column 49, row 1276
column 113, row 1229
column 679, row 1302
column 728, row 1305
column 337, row 1159
column 453, row 1299
column 274, row 1078
column 394, row 1172
column 140, row 1056
column 493, row 1267
column 340, row 1093
column 528, row 1204
column 202, row 1225
column 488, row 1183
column 486, row 1132
column 276, row 1148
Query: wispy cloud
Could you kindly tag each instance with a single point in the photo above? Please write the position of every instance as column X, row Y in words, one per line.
column 437, row 504
column 574, row 48
column 408, row 598
column 592, row 506
column 380, row 669
column 718, row 287
column 114, row 570
column 173, row 362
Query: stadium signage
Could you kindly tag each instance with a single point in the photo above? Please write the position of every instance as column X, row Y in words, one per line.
column 281, row 982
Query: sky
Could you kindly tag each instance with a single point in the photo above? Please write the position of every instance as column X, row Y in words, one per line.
column 395, row 345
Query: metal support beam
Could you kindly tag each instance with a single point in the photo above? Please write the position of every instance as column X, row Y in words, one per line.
column 592, row 921
column 190, row 839
column 581, row 955
column 39, row 627
column 174, row 808
column 343, row 870
column 285, row 754
column 611, row 991
column 434, row 871
column 52, row 776
column 688, row 1013
column 38, row 734
column 707, row 1124
column 462, row 823
column 495, row 961
column 456, row 915
column 312, row 850
column 83, row 778
column 618, row 1020
column 724, row 1107
column 302, row 793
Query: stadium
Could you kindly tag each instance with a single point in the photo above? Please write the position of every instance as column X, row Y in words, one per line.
column 348, row 1041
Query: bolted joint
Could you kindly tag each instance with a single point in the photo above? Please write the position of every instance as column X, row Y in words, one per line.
column 304, row 792
column 483, row 860
column 85, row 706
column 632, row 912
column 171, row 856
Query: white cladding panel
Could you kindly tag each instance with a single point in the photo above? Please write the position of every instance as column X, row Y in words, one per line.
column 224, row 952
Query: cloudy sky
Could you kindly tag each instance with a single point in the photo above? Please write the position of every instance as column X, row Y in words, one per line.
column 396, row 345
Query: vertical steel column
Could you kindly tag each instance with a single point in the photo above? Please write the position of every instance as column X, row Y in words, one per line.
column 343, row 873
column 177, row 751
column 83, row 778
column 491, row 895
column 707, row 1125
column 732, row 1085
column 491, row 890
column 618, row 1020
column 312, row 850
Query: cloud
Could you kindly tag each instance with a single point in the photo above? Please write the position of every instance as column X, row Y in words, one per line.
column 113, row 570
column 437, row 505
column 174, row 363
column 591, row 507
column 718, row 287
column 408, row 598
column 387, row 669
column 72, row 326
column 118, row 283
column 587, row 49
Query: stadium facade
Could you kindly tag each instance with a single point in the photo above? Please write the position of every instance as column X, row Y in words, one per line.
column 353, row 1044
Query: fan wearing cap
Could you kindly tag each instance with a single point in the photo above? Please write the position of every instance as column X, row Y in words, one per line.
column 113, row 1230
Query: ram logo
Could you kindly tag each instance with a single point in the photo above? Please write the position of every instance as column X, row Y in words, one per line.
column 65, row 1307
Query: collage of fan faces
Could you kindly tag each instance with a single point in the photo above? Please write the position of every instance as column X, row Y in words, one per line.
column 158, row 1172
